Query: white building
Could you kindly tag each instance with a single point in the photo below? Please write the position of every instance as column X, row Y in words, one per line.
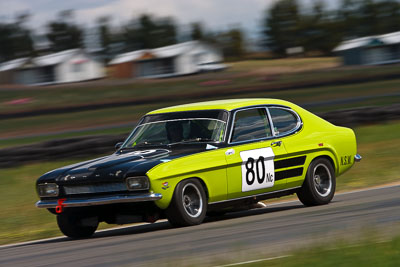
column 180, row 59
column 63, row 67
column 371, row 50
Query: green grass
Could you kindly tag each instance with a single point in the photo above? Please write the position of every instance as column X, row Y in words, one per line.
column 243, row 74
column 70, row 121
column 379, row 145
column 366, row 252
column 11, row 142
column 20, row 220
column 11, row 128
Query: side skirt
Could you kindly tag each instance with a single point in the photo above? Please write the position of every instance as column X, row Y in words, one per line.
column 251, row 199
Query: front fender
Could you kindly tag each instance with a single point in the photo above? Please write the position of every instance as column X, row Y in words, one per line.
column 208, row 166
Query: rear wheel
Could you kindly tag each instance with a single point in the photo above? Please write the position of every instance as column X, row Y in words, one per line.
column 188, row 205
column 319, row 185
column 71, row 225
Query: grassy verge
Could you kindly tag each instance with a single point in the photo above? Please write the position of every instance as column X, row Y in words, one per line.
column 21, row 221
column 379, row 145
column 11, row 142
column 367, row 252
column 12, row 128
column 245, row 74
column 239, row 74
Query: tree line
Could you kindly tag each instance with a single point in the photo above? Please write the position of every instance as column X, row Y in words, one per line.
column 319, row 29
column 287, row 24
column 146, row 31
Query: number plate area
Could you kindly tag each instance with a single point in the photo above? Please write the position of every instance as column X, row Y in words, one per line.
column 257, row 169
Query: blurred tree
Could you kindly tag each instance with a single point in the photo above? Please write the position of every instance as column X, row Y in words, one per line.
column 348, row 18
column 166, row 32
column 15, row 39
column 320, row 30
column 232, row 43
column 317, row 30
column 197, row 32
column 379, row 17
column 282, row 26
column 105, row 34
column 63, row 34
column 149, row 32
column 359, row 18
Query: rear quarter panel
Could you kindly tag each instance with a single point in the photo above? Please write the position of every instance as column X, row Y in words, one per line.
column 319, row 138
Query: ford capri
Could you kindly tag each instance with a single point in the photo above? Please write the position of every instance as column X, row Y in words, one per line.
column 190, row 161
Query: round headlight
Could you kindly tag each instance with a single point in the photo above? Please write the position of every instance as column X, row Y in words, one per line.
column 47, row 190
column 137, row 183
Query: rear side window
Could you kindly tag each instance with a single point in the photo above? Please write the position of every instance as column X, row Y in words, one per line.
column 283, row 120
column 250, row 125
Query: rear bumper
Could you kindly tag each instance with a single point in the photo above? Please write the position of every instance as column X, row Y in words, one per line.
column 98, row 200
column 357, row 158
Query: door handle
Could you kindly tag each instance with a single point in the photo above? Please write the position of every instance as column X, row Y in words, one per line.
column 230, row 152
column 276, row 143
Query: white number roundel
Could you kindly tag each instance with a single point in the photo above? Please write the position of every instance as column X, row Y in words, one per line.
column 257, row 169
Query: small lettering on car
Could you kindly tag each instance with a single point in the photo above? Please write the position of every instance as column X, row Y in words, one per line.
column 345, row 160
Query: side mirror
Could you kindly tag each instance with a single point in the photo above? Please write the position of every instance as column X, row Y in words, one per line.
column 118, row 145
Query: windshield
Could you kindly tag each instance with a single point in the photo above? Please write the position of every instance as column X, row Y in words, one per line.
column 177, row 131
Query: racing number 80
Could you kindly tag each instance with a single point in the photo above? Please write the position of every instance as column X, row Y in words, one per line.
column 259, row 172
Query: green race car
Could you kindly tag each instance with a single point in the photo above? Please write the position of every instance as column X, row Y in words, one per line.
column 189, row 161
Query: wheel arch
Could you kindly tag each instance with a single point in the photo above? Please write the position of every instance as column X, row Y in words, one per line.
column 330, row 159
column 205, row 188
column 167, row 196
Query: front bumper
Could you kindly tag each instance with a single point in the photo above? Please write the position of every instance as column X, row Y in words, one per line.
column 94, row 201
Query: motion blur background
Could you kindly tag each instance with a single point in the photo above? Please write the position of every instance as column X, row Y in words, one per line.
column 75, row 76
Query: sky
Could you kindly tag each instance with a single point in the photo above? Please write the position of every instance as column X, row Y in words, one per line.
column 214, row 14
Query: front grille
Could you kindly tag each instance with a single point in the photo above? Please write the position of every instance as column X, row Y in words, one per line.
column 94, row 188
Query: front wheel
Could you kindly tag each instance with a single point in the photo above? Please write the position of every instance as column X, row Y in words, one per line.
column 70, row 224
column 188, row 205
column 319, row 185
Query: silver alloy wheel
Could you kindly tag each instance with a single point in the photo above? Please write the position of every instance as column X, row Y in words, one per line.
column 192, row 200
column 322, row 179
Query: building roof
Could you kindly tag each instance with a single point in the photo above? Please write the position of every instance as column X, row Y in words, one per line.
column 47, row 60
column 228, row 104
column 161, row 52
column 174, row 50
column 56, row 58
column 13, row 64
column 384, row 39
column 127, row 57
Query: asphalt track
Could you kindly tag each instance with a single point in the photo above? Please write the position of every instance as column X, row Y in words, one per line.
column 271, row 231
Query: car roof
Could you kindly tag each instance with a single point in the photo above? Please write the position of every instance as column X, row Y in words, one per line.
column 228, row 104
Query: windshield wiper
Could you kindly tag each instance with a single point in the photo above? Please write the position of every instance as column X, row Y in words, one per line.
column 142, row 144
column 194, row 140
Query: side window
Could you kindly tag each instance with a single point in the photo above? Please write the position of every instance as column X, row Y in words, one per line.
column 251, row 124
column 284, row 121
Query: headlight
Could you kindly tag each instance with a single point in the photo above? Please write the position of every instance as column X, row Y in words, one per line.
column 137, row 183
column 47, row 190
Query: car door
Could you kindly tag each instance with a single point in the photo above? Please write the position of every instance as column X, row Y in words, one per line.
column 252, row 149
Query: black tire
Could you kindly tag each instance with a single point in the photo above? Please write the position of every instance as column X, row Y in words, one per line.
column 70, row 225
column 189, row 204
column 319, row 185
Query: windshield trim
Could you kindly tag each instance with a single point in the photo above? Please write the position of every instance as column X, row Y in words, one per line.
column 211, row 119
column 139, row 125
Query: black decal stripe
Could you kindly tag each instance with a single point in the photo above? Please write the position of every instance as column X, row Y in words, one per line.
column 288, row 174
column 286, row 163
